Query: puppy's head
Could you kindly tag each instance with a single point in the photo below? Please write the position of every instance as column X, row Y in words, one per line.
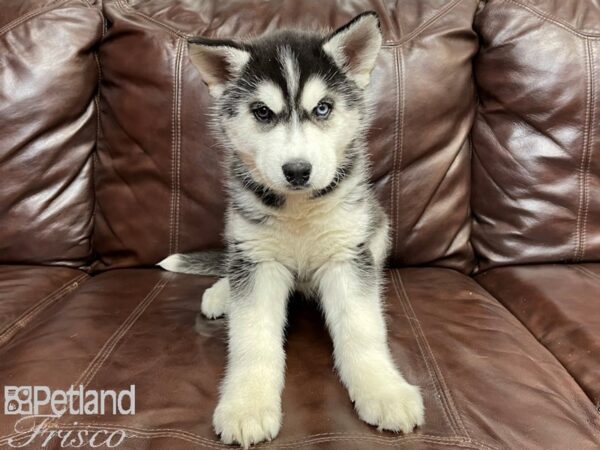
column 291, row 103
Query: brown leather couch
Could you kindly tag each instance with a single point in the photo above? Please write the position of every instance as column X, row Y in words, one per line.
column 486, row 154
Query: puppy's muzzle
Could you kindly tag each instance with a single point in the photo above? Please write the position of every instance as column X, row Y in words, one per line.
column 297, row 172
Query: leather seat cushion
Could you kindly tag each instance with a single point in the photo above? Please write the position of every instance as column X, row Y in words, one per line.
column 476, row 364
column 560, row 305
column 28, row 292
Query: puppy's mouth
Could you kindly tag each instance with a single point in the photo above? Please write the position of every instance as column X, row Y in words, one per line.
column 304, row 188
column 310, row 187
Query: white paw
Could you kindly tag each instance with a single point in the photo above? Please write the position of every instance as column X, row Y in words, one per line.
column 397, row 407
column 247, row 422
column 215, row 299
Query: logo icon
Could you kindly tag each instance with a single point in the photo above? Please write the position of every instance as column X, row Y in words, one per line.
column 18, row 400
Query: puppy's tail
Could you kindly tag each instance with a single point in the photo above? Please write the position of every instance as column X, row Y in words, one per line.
column 210, row 262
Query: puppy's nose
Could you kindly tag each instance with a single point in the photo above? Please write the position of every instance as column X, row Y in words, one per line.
column 297, row 172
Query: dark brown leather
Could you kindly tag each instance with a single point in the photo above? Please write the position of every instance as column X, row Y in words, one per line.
column 560, row 305
column 492, row 377
column 159, row 183
column 536, row 161
column 27, row 292
column 48, row 121
column 487, row 382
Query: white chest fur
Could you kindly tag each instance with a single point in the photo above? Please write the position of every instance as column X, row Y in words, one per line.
column 304, row 234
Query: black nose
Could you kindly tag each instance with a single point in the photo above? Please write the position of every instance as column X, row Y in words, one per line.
column 297, row 172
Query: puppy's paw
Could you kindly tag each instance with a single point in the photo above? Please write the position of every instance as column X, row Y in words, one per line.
column 397, row 407
column 215, row 299
column 247, row 422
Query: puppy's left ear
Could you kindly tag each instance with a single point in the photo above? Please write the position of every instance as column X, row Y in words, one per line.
column 355, row 46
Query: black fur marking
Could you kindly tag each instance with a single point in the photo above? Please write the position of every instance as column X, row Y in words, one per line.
column 365, row 265
column 248, row 214
column 365, row 259
column 240, row 269
column 217, row 42
column 233, row 97
column 264, row 64
column 304, row 115
column 264, row 194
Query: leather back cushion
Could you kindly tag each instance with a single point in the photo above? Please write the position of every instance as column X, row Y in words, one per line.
column 48, row 122
column 159, row 187
column 536, row 164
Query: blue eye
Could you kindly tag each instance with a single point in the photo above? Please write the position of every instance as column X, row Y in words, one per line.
column 322, row 110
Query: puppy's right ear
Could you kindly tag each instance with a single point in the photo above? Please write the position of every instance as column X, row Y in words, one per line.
column 219, row 61
column 354, row 47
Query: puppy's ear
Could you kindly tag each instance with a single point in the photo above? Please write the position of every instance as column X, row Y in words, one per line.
column 219, row 61
column 355, row 46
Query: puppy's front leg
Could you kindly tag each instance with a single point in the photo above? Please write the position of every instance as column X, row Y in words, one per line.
column 249, row 410
column 350, row 295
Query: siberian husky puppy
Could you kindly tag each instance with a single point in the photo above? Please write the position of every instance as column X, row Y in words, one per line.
column 291, row 109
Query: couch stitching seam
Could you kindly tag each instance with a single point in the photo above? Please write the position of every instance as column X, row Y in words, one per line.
column 585, row 271
column 425, row 25
column 395, row 155
column 28, row 315
column 589, row 151
column 423, row 347
column 401, row 138
column 318, row 435
column 439, row 377
column 581, row 175
column 175, row 118
column 127, row 7
column 555, row 20
column 30, row 15
column 98, row 126
column 316, row 438
column 110, row 345
column 173, row 106
column 192, row 437
column 95, row 160
column 98, row 361
column 124, row 6
column 438, row 393
column 445, row 389
column 178, row 171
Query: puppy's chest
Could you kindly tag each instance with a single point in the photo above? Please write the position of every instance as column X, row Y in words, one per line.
column 305, row 242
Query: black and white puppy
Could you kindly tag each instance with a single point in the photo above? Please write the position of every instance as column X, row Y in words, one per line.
column 291, row 108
